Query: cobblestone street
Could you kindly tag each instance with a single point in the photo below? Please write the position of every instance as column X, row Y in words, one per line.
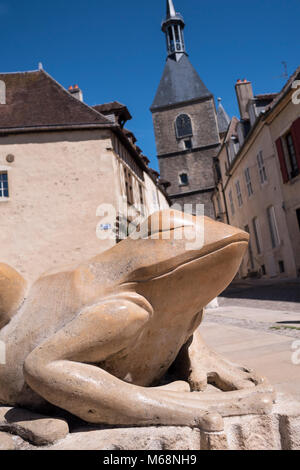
column 258, row 325
column 267, row 294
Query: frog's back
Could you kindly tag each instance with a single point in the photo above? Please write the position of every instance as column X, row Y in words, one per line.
column 51, row 303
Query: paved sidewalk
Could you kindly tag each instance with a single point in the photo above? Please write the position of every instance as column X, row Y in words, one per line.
column 244, row 335
column 272, row 321
column 264, row 350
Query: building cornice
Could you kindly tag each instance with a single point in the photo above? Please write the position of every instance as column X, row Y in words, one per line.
column 181, row 104
column 190, row 193
column 188, row 151
column 23, row 130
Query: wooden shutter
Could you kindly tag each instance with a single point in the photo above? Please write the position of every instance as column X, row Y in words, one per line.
column 295, row 131
column 284, row 171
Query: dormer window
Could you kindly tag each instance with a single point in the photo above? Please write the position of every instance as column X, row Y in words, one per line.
column 2, row 92
column 183, row 126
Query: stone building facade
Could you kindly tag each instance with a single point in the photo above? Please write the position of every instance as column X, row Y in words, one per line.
column 185, row 123
column 257, row 175
column 60, row 160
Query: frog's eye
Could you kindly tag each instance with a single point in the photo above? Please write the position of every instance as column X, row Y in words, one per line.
column 164, row 221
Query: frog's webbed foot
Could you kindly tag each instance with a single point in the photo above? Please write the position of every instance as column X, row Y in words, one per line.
column 225, row 375
column 207, row 367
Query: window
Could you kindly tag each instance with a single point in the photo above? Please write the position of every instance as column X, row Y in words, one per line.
column 129, row 188
column 250, row 252
column 183, row 179
column 219, row 204
column 298, row 216
column 261, row 168
column 281, row 267
column 292, row 158
column 231, row 203
column 141, row 199
column 256, row 230
column 239, row 194
column 171, row 40
column 188, row 144
column 178, row 37
column 263, row 270
column 2, row 92
column 248, row 182
column 183, row 126
column 275, row 240
column 4, row 184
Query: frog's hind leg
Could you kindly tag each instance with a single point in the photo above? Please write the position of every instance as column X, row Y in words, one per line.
column 12, row 293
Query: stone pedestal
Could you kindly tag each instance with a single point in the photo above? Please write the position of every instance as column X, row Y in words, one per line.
column 277, row 431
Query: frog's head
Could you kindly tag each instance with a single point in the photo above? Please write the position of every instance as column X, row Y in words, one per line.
column 194, row 256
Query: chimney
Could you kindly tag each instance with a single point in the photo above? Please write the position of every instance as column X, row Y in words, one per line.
column 76, row 92
column 244, row 93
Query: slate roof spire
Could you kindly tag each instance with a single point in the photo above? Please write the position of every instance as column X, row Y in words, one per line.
column 173, row 27
column 180, row 82
column 170, row 9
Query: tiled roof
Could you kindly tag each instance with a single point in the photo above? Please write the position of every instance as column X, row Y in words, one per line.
column 285, row 89
column 36, row 100
column 266, row 96
column 108, row 107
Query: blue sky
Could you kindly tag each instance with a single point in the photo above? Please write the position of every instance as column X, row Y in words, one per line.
column 116, row 51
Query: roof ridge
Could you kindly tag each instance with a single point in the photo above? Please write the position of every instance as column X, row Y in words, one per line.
column 19, row 73
column 82, row 103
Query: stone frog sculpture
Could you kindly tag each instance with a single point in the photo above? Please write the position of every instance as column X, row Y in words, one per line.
column 97, row 340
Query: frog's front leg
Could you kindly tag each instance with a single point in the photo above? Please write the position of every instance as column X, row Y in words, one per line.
column 200, row 366
column 62, row 371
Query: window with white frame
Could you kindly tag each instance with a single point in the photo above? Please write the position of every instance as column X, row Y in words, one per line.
column 4, row 192
column 275, row 240
column 239, row 193
column 231, row 203
column 261, row 168
column 248, row 182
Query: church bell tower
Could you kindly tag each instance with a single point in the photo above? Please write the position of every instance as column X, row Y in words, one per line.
column 185, row 123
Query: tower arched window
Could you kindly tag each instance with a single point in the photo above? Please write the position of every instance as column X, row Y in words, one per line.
column 183, row 126
column 171, row 39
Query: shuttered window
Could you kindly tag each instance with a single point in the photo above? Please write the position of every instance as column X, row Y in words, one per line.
column 288, row 150
column 283, row 167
